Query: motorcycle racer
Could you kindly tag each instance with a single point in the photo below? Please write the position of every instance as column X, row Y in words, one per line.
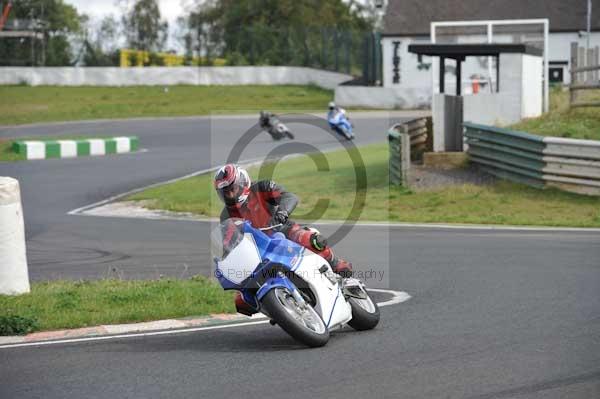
column 264, row 204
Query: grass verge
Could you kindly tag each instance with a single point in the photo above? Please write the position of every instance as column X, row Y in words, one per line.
column 577, row 123
column 501, row 203
column 24, row 104
column 73, row 304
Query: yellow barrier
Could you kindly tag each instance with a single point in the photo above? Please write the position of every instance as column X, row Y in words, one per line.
column 142, row 58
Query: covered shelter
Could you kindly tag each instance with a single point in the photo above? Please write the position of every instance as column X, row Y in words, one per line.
column 458, row 52
column 518, row 91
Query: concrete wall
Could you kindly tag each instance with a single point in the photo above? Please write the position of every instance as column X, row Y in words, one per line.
column 78, row 76
column 520, row 94
column 491, row 109
column 382, row 97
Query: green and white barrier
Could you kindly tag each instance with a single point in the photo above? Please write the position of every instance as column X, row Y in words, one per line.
column 75, row 148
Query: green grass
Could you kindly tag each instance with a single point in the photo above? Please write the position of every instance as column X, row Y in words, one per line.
column 73, row 304
column 501, row 203
column 7, row 154
column 24, row 104
column 579, row 123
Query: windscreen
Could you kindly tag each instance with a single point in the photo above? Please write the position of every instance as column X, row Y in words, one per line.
column 225, row 237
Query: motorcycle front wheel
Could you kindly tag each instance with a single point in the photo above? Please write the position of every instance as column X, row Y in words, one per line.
column 365, row 313
column 300, row 321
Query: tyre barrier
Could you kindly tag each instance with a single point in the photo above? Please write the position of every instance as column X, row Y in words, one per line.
column 14, row 277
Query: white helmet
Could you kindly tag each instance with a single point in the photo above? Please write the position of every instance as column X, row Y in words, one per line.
column 331, row 105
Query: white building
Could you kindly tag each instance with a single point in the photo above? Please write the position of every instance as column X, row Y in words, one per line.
column 410, row 78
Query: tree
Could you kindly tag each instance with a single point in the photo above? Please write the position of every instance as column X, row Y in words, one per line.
column 57, row 21
column 144, row 28
column 276, row 31
column 101, row 43
column 107, row 35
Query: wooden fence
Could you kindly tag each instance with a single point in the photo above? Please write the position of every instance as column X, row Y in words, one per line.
column 585, row 74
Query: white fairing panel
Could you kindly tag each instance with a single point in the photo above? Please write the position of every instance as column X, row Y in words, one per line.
column 241, row 261
column 331, row 304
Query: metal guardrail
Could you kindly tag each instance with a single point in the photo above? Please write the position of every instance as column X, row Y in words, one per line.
column 568, row 164
column 407, row 142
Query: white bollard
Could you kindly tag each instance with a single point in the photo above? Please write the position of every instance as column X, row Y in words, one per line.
column 14, row 278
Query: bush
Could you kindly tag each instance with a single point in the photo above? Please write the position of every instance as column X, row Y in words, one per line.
column 17, row 325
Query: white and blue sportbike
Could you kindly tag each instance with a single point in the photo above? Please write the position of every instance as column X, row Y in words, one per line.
column 339, row 122
column 294, row 287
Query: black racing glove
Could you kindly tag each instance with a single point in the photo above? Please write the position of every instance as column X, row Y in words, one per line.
column 279, row 217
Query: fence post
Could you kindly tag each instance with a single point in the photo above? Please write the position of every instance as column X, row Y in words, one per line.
column 405, row 147
column 399, row 163
column 14, row 278
column 574, row 50
column 595, row 61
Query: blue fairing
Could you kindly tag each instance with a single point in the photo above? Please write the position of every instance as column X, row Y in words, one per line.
column 339, row 123
column 273, row 250
column 276, row 249
column 275, row 282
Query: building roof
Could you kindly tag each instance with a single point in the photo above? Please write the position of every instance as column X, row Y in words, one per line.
column 413, row 17
column 460, row 51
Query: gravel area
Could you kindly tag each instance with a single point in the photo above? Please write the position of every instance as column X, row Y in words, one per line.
column 424, row 178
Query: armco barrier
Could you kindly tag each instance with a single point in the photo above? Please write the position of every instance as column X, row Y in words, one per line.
column 407, row 142
column 75, row 148
column 568, row 164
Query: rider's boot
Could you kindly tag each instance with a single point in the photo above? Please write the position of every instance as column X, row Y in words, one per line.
column 242, row 307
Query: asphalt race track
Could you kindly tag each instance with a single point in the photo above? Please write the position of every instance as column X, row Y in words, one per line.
column 493, row 313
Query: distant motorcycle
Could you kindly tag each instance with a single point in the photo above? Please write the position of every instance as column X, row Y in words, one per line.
column 274, row 126
column 339, row 122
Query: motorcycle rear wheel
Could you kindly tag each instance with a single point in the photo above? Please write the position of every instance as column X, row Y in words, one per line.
column 304, row 325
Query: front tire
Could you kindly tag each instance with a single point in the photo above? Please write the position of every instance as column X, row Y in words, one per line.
column 305, row 326
column 365, row 314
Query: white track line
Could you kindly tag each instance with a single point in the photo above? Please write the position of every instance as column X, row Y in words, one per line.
column 397, row 297
column 78, row 211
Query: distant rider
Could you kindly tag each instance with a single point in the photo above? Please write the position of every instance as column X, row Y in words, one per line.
column 273, row 126
column 334, row 110
column 265, row 204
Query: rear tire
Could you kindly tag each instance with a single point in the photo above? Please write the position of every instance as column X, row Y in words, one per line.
column 280, row 312
column 365, row 316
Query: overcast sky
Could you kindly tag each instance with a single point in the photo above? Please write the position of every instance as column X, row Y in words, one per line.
column 170, row 10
